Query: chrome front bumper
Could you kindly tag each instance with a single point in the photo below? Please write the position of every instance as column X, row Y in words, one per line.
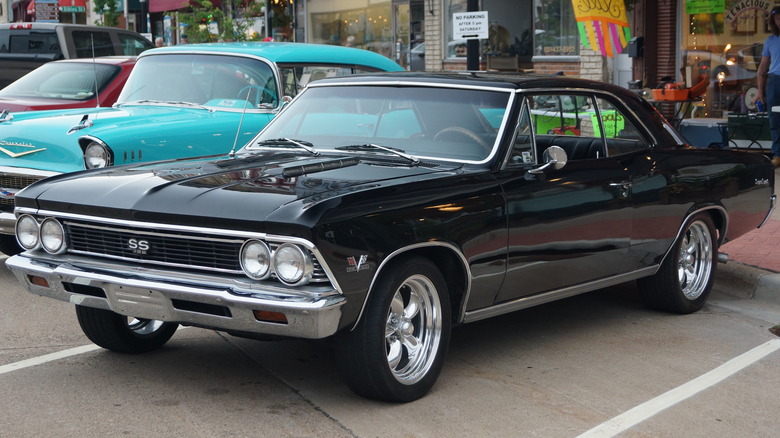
column 209, row 302
column 7, row 223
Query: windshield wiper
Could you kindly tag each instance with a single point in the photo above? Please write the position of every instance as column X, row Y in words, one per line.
column 372, row 146
column 305, row 145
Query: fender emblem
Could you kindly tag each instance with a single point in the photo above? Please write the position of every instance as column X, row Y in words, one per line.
column 357, row 265
column 20, row 154
column 19, row 145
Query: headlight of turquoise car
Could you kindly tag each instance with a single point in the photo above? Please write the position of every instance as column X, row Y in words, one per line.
column 97, row 155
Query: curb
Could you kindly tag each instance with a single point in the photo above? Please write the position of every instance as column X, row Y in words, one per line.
column 747, row 282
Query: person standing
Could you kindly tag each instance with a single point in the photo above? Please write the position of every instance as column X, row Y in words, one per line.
column 769, row 81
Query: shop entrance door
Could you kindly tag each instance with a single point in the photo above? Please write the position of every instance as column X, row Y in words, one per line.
column 408, row 33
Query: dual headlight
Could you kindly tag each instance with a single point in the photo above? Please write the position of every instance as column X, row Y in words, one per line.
column 291, row 264
column 49, row 234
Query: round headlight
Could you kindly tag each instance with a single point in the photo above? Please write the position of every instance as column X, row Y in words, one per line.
column 27, row 232
column 52, row 236
column 292, row 265
column 97, row 155
column 256, row 259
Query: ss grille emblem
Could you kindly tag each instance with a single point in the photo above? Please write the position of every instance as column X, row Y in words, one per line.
column 139, row 246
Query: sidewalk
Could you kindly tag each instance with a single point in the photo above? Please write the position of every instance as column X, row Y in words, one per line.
column 759, row 248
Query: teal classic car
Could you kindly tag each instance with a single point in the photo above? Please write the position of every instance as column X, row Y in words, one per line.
column 180, row 101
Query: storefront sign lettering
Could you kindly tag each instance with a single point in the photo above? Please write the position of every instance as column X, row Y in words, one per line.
column 609, row 8
column 705, row 6
column 741, row 7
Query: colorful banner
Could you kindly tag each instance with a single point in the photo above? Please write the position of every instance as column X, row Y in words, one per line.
column 603, row 25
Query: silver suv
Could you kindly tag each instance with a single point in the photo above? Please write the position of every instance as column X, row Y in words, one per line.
column 26, row 46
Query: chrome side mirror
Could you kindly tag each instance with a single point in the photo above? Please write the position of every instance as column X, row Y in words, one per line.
column 554, row 158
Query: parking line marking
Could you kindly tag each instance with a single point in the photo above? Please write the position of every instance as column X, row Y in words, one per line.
column 652, row 407
column 47, row 358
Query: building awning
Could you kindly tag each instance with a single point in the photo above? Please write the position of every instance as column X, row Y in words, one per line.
column 167, row 5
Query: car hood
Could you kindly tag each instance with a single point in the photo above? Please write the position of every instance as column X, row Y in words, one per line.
column 49, row 140
column 247, row 189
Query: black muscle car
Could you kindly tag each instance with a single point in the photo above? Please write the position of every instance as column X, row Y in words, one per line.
column 381, row 210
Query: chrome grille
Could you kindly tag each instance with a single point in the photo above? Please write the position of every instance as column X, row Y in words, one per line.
column 180, row 249
column 14, row 183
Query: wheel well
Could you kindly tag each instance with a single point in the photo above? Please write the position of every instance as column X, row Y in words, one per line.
column 720, row 220
column 451, row 267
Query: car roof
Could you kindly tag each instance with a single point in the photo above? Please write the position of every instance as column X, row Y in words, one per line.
column 288, row 53
column 48, row 25
column 108, row 60
column 510, row 80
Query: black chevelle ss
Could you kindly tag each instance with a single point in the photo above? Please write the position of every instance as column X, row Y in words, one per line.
column 382, row 210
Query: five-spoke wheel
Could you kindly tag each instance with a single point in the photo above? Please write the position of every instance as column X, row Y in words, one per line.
column 396, row 351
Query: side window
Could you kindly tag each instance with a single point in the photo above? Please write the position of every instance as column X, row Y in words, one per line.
column 85, row 41
column 569, row 121
column 133, row 45
column 620, row 134
column 523, row 149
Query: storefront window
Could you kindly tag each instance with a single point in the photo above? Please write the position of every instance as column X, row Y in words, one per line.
column 366, row 24
column 555, row 28
column 722, row 43
column 509, row 29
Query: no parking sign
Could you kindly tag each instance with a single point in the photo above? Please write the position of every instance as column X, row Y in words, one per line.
column 470, row 25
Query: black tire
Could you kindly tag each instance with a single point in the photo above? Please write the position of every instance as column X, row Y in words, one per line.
column 374, row 357
column 115, row 332
column 684, row 281
column 8, row 245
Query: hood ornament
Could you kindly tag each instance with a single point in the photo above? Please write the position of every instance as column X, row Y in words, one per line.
column 5, row 116
column 83, row 123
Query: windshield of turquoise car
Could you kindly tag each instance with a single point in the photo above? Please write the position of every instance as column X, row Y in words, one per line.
column 215, row 81
column 453, row 124
column 62, row 80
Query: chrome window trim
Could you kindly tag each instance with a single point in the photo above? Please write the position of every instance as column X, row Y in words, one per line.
column 500, row 132
column 272, row 64
column 596, row 93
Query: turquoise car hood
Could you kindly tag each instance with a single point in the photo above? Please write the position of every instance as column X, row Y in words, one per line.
column 54, row 140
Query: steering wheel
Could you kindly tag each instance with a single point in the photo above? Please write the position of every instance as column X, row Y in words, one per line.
column 456, row 133
column 246, row 93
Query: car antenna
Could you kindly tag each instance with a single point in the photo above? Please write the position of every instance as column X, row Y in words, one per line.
column 94, row 69
column 240, row 122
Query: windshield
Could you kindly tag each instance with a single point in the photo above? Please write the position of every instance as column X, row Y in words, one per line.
column 212, row 80
column 440, row 123
column 62, row 80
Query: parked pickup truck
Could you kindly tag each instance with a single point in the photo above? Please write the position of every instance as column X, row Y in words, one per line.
column 26, row 46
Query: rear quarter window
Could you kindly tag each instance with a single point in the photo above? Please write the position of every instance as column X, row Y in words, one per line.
column 30, row 41
column 85, row 41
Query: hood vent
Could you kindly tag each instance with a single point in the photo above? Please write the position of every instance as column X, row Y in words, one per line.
column 319, row 167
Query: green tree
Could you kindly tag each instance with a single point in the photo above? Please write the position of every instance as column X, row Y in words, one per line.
column 205, row 17
column 107, row 9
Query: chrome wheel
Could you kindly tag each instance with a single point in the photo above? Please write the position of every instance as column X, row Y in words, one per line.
column 123, row 334
column 396, row 351
column 694, row 263
column 144, row 326
column 413, row 329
